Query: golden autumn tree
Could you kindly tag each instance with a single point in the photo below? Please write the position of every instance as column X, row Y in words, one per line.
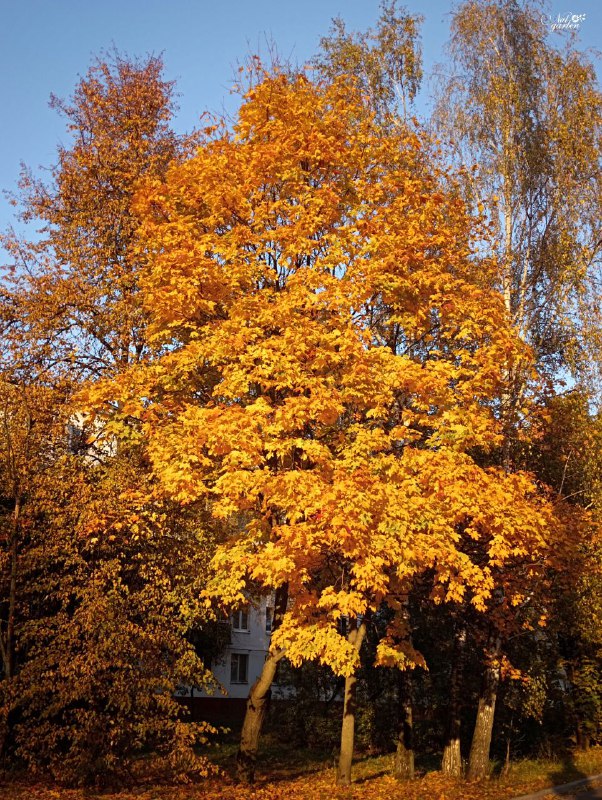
column 101, row 579
column 107, row 593
column 73, row 285
column 569, row 458
column 327, row 354
column 512, row 106
column 528, row 112
column 385, row 61
column 27, row 424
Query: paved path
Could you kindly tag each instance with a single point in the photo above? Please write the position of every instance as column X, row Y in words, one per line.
column 583, row 789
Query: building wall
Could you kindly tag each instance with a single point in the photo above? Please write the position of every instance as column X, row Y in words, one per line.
column 251, row 641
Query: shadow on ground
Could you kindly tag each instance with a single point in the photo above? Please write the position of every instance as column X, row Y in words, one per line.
column 567, row 771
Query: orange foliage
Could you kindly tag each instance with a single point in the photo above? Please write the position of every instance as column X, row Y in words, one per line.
column 328, row 354
column 96, row 592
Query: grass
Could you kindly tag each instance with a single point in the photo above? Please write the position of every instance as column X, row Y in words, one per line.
column 555, row 772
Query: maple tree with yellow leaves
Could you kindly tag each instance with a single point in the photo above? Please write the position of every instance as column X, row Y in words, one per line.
column 305, row 378
column 327, row 358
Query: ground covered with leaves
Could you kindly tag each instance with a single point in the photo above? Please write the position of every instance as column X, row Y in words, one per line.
column 307, row 779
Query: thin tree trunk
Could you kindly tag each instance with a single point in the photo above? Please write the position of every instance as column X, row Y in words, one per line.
column 582, row 737
column 12, row 597
column 478, row 764
column 347, row 732
column 578, row 735
column 356, row 637
column 451, row 763
column 7, row 643
column 404, row 754
column 506, row 768
column 257, row 703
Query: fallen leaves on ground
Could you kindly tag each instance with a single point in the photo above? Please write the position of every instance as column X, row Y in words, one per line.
column 314, row 787
column 372, row 781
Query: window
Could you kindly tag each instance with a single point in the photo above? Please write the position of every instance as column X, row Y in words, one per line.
column 240, row 620
column 239, row 668
column 269, row 619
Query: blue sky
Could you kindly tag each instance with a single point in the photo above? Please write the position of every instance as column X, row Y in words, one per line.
column 46, row 44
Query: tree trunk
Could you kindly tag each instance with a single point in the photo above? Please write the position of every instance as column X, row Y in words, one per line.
column 404, row 755
column 7, row 643
column 356, row 637
column 478, row 764
column 258, row 700
column 582, row 737
column 451, row 763
column 506, row 768
column 347, row 732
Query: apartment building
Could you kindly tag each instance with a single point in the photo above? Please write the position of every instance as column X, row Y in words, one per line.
column 236, row 668
column 241, row 662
